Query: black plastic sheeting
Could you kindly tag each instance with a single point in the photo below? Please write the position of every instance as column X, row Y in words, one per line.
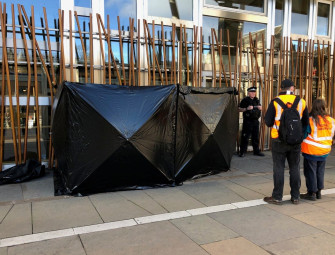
column 32, row 169
column 111, row 137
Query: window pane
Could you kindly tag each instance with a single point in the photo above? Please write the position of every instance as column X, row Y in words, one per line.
column 323, row 19
column 50, row 6
column 179, row 9
column 300, row 17
column 125, row 9
column 249, row 5
column 83, row 3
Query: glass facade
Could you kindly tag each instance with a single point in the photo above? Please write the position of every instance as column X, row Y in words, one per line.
column 125, row 9
column 83, row 3
column 179, row 9
column 323, row 19
column 300, row 17
column 251, row 5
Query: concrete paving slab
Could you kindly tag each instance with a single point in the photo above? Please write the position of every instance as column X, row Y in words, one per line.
column 288, row 209
column 60, row 246
column 17, row 222
column 330, row 205
column 3, row 251
column 157, row 238
column 43, row 187
column 322, row 243
column 211, row 193
column 140, row 198
column 263, row 188
column 113, row 207
column 4, row 210
column 252, row 165
column 10, row 192
column 250, row 180
column 236, row 246
column 232, row 172
column 321, row 219
column 262, row 226
column 203, row 229
column 243, row 192
column 64, row 213
column 174, row 199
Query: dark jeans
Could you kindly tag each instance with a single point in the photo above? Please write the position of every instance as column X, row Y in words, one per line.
column 280, row 152
column 250, row 127
column 314, row 172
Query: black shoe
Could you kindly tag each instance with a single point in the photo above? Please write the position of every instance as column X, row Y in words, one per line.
column 295, row 201
column 259, row 154
column 271, row 200
column 309, row 196
column 241, row 155
column 318, row 194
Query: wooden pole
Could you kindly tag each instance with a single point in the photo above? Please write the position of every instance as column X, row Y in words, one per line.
column 180, row 80
column 153, row 47
column 147, row 50
column 213, row 59
column 164, row 53
column 71, row 47
column 251, row 59
column 16, row 88
column 229, row 58
column 107, row 36
column 49, row 46
column 102, row 51
column 220, row 57
column 195, row 42
column 91, row 50
column 130, row 55
column 186, row 53
column 138, row 52
column 154, row 55
column 121, row 51
column 82, row 45
column 200, row 58
column 28, row 83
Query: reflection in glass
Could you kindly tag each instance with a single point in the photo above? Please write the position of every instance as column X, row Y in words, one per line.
column 323, row 19
column 125, row 9
column 279, row 20
column 300, row 17
column 234, row 26
column 50, row 6
column 179, row 9
column 83, row 3
column 251, row 5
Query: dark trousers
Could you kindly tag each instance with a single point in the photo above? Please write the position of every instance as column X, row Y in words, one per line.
column 250, row 127
column 280, row 152
column 314, row 172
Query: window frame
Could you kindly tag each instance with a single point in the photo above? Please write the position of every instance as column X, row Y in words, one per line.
column 315, row 18
column 227, row 9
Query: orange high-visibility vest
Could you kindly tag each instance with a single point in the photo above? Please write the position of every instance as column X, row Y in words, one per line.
column 288, row 100
column 319, row 141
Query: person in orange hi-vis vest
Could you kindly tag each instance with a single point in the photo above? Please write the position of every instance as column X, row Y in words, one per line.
column 315, row 148
column 281, row 150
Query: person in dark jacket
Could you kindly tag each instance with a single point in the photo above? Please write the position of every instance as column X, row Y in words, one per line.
column 280, row 149
column 251, row 109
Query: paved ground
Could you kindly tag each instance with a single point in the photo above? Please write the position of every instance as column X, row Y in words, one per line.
column 221, row 214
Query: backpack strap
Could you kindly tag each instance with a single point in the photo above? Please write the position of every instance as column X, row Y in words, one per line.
column 280, row 102
column 296, row 102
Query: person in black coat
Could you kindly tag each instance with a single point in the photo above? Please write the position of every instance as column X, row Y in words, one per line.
column 251, row 108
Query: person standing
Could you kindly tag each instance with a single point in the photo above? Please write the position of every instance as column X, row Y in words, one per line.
column 281, row 150
column 251, row 109
column 316, row 148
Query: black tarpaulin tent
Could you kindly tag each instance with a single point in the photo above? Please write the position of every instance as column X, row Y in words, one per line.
column 108, row 137
column 207, row 124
